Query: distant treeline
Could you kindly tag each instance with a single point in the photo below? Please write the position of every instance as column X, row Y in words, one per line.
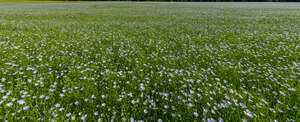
column 198, row 0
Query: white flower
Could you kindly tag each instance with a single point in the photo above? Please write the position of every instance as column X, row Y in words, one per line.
column 248, row 113
column 131, row 119
column 25, row 108
column 61, row 109
column 21, row 102
column 9, row 104
column 57, row 105
column 159, row 120
column 292, row 89
column 221, row 120
column 3, row 79
column 190, row 105
column 83, row 117
column 145, row 111
column 5, row 97
column 42, row 96
column 196, row 114
column 210, row 120
column 68, row 114
column 96, row 113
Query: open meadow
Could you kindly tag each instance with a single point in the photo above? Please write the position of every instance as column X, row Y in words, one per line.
column 134, row 61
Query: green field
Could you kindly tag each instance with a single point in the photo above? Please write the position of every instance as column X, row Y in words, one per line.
column 125, row 61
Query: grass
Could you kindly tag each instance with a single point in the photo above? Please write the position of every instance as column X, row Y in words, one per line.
column 127, row 61
column 40, row 1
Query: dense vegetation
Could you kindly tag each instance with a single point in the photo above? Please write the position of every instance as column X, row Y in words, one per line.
column 198, row 0
column 150, row 61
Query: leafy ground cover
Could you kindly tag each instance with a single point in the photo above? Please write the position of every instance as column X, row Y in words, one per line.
column 123, row 61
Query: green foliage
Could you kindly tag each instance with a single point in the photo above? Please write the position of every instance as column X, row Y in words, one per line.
column 149, row 61
column 191, row 0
